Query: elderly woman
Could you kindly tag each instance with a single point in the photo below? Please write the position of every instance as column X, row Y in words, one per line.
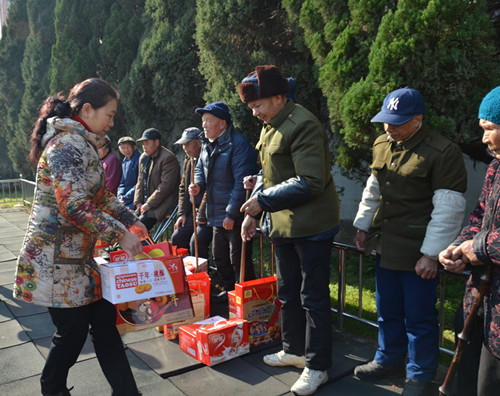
column 71, row 209
column 478, row 245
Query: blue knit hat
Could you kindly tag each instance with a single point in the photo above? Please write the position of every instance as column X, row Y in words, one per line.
column 490, row 107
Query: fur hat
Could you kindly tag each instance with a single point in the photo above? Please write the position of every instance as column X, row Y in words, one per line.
column 264, row 82
column 490, row 107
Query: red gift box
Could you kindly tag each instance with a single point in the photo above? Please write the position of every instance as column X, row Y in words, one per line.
column 257, row 302
column 213, row 343
column 199, row 286
column 163, row 249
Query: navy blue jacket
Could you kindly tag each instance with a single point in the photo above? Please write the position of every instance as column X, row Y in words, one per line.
column 130, row 171
column 220, row 171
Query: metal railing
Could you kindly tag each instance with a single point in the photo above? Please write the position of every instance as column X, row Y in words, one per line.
column 343, row 250
column 17, row 190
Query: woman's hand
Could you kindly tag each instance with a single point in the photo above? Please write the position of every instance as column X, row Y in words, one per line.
column 131, row 244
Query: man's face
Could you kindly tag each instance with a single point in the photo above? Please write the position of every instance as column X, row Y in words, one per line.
column 400, row 133
column 127, row 149
column 150, row 146
column 491, row 136
column 192, row 148
column 266, row 109
column 212, row 126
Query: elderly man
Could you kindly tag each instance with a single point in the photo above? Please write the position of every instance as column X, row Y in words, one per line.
column 158, row 181
column 130, row 171
column 183, row 235
column 414, row 201
column 478, row 246
column 296, row 191
column 226, row 157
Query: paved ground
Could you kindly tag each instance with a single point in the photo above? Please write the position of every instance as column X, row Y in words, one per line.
column 159, row 366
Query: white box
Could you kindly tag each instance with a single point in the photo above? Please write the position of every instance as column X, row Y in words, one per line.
column 137, row 280
column 190, row 264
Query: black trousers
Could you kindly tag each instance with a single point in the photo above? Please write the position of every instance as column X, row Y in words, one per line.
column 488, row 381
column 183, row 237
column 72, row 327
column 303, row 272
column 226, row 251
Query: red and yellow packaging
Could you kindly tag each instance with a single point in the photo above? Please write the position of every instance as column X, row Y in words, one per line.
column 163, row 249
column 215, row 340
column 199, row 287
column 257, row 302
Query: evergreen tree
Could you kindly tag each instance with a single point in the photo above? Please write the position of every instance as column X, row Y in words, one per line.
column 234, row 37
column 11, row 83
column 164, row 86
column 79, row 27
column 36, row 76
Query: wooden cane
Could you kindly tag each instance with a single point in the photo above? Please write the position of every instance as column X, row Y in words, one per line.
column 244, row 249
column 465, row 335
column 194, row 217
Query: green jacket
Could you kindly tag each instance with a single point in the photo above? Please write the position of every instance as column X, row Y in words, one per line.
column 408, row 174
column 295, row 144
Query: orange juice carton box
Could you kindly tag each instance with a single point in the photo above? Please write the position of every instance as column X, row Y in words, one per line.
column 215, row 340
column 257, row 302
column 126, row 281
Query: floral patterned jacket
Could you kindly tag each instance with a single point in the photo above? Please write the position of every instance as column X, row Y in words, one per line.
column 71, row 209
column 484, row 230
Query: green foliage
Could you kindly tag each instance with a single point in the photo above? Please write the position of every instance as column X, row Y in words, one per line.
column 233, row 37
column 165, row 86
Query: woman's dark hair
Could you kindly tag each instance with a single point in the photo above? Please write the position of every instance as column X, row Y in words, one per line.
column 94, row 91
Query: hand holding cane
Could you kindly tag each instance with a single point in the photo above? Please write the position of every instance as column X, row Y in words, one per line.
column 194, row 217
column 465, row 335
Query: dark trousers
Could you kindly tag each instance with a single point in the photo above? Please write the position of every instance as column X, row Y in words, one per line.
column 72, row 327
column 226, row 252
column 149, row 222
column 303, row 272
column 407, row 321
column 183, row 237
column 488, row 382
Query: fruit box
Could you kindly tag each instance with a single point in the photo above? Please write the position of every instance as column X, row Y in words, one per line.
column 135, row 280
column 154, row 312
column 212, row 343
column 163, row 249
column 257, row 302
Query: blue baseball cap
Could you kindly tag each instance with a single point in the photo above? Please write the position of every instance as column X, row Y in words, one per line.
column 400, row 106
column 188, row 135
column 218, row 109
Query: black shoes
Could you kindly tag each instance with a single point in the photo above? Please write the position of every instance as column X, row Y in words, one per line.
column 373, row 371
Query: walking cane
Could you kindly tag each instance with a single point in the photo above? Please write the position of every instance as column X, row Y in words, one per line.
column 244, row 249
column 194, row 217
column 465, row 335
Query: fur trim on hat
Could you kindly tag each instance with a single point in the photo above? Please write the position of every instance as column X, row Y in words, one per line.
column 264, row 82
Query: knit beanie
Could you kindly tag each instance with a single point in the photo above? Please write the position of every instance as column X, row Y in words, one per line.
column 264, row 82
column 490, row 107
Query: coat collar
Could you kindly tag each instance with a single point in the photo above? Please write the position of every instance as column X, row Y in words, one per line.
column 57, row 125
column 283, row 114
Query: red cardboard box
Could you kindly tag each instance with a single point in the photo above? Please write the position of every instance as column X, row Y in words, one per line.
column 257, row 302
column 213, row 343
column 157, row 311
column 199, row 286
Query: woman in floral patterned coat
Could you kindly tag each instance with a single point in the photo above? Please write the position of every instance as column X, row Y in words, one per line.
column 71, row 209
column 478, row 245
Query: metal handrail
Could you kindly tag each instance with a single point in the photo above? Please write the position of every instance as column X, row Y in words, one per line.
column 340, row 310
column 27, row 188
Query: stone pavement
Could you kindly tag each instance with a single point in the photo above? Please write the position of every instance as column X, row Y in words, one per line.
column 159, row 366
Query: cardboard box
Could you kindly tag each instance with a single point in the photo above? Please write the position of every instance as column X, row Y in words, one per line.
column 138, row 280
column 154, row 312
column 213, row 343
column 257, row 302
column 190, row 264
column 163, row 249
column 199, row 287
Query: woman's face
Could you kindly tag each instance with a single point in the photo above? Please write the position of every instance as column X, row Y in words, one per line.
column 100, row 120
column 491, row 136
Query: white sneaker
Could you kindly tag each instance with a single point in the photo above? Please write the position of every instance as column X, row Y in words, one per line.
column 282, row 358
column 309, row 382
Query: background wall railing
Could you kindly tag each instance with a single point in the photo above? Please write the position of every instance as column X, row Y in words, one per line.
column 17, row 191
